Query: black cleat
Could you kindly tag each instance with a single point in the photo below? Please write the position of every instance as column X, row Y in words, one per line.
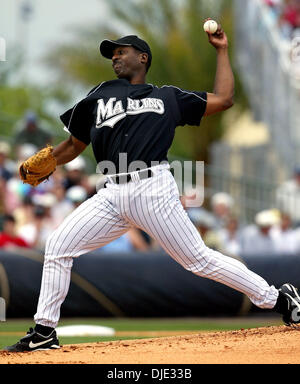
column 34, row 341
column 288, row 304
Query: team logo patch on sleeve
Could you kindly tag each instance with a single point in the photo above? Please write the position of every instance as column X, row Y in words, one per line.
column 113, row 111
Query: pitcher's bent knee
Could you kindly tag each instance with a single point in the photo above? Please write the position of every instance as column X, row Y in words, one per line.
column 199, row 262
column 55, row 246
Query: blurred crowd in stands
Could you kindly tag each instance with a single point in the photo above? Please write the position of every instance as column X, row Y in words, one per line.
column 28, row 215
column 275, row 231
column 287, row 14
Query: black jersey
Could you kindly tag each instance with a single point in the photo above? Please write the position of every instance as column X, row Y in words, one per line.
column 138, row 120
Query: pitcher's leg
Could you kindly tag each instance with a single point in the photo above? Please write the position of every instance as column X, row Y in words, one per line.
column 92, row 225
column 165, row 219
column 182, row 241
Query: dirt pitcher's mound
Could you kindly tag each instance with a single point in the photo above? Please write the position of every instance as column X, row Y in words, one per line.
column 259, row 345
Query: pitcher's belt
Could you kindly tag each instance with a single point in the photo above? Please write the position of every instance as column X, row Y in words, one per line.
column 133, row 176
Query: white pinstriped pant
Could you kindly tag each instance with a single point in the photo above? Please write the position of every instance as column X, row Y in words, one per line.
column 153, row 205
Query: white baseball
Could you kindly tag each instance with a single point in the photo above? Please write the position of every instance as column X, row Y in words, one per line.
column 210, row 26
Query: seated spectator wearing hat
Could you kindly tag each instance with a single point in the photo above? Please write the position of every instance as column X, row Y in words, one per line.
column 258, row 239
column 230, row 236
column 76, row 195
column 287, row 238
column 76, row 174
column 288, row 197
column 221, row 204
column 31, row 132
column 8, row 236
column 24, row 151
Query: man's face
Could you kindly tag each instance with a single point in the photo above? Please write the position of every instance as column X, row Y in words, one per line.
column 127, row 62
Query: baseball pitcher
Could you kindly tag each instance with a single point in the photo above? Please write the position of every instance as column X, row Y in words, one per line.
column 128, row 115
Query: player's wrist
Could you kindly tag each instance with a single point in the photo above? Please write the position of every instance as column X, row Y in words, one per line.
column 222, row 49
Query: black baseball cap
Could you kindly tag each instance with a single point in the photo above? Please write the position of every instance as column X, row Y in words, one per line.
column 107, row 46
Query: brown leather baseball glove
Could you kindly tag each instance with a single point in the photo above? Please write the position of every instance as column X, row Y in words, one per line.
column 38, row 167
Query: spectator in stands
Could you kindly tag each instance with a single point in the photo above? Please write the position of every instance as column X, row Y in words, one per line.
column 222, row 204
column 8, row 236
column 31, row 231
column 76, row 195
column 24, row 213
column 288, row 197
column 257, row 240
column 75, row 173
column 32, row 132
column 5, row 163
column 287, row 239
column 63, row 206
column 204, row 221
column 58, row 177
column 42, row 224
column 24, row 151
column 230, row 236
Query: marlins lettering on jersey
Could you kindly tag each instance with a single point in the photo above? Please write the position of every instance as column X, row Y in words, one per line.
column 113, row 111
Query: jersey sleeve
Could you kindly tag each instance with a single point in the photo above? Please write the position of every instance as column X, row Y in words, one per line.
column 79, row 120
column 191, row 104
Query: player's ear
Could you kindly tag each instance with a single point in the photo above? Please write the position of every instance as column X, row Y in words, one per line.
column 144, row 58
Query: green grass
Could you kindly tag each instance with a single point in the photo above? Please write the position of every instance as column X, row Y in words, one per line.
column 177, row 324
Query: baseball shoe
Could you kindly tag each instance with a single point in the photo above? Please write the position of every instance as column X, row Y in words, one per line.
column 34, row 341
column 288, row 304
